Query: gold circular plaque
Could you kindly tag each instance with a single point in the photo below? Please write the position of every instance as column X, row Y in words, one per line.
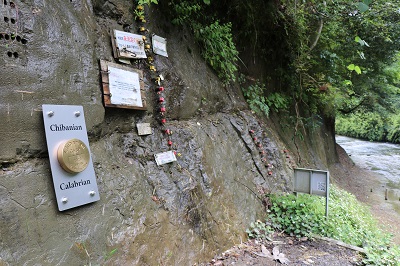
column 73, row 156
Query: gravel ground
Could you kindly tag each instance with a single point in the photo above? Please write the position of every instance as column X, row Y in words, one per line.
column 292, row 252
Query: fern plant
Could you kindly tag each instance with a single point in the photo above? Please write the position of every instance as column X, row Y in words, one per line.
column 219, row 49
column 255, row 96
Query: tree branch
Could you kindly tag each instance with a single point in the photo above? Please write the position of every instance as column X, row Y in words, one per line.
column 347, row 111
column 321, row 24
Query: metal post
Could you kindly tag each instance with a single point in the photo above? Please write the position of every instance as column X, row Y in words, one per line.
column 327, row 195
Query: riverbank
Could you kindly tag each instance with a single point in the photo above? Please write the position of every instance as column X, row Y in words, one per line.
column 369, row 188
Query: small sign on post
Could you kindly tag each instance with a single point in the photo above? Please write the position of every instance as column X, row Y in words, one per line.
column 313, row 182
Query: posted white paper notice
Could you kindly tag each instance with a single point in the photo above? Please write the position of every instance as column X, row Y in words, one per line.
column 165, row 157
column 124, row 87
column 160, row 45
column 130, row 43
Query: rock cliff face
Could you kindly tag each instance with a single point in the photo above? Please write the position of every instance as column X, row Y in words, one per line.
column 175, row 214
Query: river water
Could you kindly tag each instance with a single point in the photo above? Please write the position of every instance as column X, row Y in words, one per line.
column 379, row 157
column 383, row 159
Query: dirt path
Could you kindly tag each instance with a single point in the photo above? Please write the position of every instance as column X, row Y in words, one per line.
column 293, row 252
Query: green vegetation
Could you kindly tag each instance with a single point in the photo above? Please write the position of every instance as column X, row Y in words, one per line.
column 370, row 126
column 260, row 230
column 139, row 11
column 373, row 126
column 349, row 221
column 329, row 57
column 371, row 121
column 261, row 104
column 218, row 48
column 215, row 38
column 110, row 254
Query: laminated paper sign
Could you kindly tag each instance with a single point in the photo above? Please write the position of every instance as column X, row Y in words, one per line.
column 124, row 87
column 128, row 45
column 160, row 45
column 165, row 157
column 313, row 182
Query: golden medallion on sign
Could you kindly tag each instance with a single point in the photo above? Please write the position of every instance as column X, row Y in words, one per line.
column 73, row 156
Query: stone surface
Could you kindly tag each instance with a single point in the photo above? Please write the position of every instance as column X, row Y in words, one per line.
column 175, row 214
column 57, row 65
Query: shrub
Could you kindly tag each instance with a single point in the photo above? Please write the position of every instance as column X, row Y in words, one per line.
column 262, row 104
column 297, row 216
column 394, row 129
column 215, row 38
column 370, row 126
column 218, row 48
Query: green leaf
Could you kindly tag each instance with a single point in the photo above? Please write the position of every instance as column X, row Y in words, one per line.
column 362, row 7
column 351, row 67
column 207, row 2
column 361, row 41
column 357, row 69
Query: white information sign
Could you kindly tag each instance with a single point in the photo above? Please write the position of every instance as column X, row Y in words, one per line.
column 124, row 87
column 129, row 45
column 63, row 123
column 160, row 45
column 165, row 157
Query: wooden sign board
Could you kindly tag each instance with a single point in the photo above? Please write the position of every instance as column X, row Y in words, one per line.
column 127, row 45
column 123, row 86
